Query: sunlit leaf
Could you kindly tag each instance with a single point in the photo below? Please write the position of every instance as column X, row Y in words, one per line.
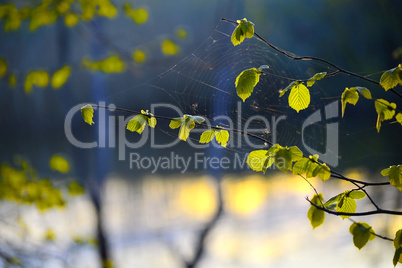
column 246, row 81
column 357, row 194
column 59, row 164
column 259, row 160
column 87, row 113
column 349, row 95
column 244, row 29
column 139, row 15
column 398, row 118
column 299, row 97
column 346, row 204
column 222, row 137
column 316, row 77
column 60, row 77
column 315, row 215
column 391, row 78
column 362, row 233
column 311, row 168
column 285, row 156
column 137, row 123
column 385, row 111
column 169, row 48
column 394, row 174
column 186, row 123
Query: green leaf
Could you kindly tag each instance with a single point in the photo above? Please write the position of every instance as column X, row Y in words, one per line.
column 391, row 78
column 299, row 97
column 316, row 77
column 333, row 200
column 176, row 123
column 364, row 92
column 221, row 136
column 351, row 96
column 346, row 204
column 198, row 119
column 137, row 123
column 398, row 239
column 246, row 81
column 394, row 174
column 398, row 118
column 285, row 156
column 356, row 194
column 290, row 86
column 186, row 123
column 87, row 113
column 362, row 233
column 207, row 136
column 315, row 215
column 397, row 256
column 385, row 111
column 259, row 160
column 311, row 168
column 244, row 29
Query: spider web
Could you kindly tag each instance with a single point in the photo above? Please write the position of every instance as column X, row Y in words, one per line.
column 203, row 83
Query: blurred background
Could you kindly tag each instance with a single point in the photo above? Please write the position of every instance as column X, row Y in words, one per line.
column 67, row 206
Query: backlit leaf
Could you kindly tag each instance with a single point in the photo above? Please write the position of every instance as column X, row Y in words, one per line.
column 87, row 113
column 391, row 78
column 315, row 215
column 207, row 136
column 246, row 81
column 398, row 118
column 245, row 29
column 394, row 174
column 362, row 233
column 316, row 77
column 346, row 204
column 357, row 194
column 186, row 123
column 398, row 239
column 385, row 111
column 259, row 160
column 351, row 96
column 60, row 77
column 222, row 137
column 59, row 164
column 299, row 97
column 137, row 123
